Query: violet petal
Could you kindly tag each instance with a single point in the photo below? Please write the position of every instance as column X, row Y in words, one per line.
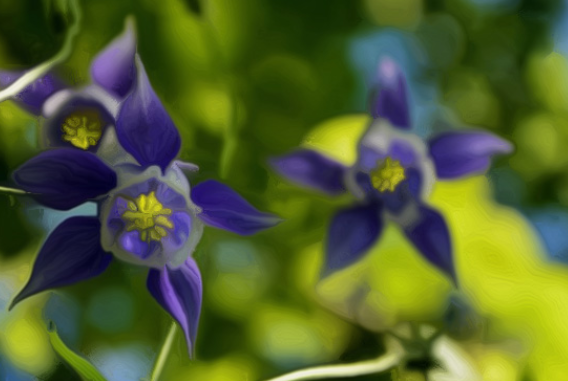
column 143, row 126
column 72, row 253
column 391, row 101
column 309, row 168
column 64, row 178
column 430, row 235
column 351, row 233
column 32, row 97
column 458, row 154
column 223, row 208
column 179, row 292
column 113, row 68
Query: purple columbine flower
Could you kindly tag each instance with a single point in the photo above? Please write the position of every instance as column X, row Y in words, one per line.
column 392, row 177
column 80, row 117
column 148, row 213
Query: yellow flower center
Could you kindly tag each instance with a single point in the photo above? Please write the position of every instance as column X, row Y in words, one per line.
column 147, row 215
column 388, row 175
column 82, row 129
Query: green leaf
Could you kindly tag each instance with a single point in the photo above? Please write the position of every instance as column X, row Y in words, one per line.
column 84, row 368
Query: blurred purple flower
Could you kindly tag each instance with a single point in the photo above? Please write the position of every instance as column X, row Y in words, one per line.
column 394, row 173
column 80, row 117
column 148, row 214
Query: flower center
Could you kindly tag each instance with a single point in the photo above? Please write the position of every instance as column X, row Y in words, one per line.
column 82, row 129
column 147, row 215
column 388, row 175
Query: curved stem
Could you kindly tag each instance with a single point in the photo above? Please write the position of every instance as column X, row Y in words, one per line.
column 43, row 68
column 389, row 360
column 163, row 355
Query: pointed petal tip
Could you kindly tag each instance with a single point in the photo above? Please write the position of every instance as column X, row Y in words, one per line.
column 143, row 126
column 430, row 235
column 224, row 208
column 17, row 299
column 462, row 153
column 389, row 100
column 70, row 254
column 113, row 68
column 388, row 69
column 179, row 292
column 352, row 232
column 311, row 169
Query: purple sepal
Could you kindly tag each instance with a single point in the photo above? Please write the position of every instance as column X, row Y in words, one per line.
column 458, row 154
column 143, row 126
column 351, row 233
column 309, row 168
column 64, row 178
column 179, row 292
column 430, row 235
column 113, row 68
column 391, row 101
column 223, row 208
column 72, row 253
column 32, row 97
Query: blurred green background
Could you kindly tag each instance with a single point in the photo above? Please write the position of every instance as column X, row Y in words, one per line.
column 245, row 80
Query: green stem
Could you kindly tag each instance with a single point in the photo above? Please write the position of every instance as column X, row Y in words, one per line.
column 43, row 68
column 163, row 355
column 387, row 361
column 13, row 191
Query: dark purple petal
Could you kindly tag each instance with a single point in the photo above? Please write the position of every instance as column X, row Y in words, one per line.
column 34, row 95
column 430, row 235
column 144, row 128
column 458, row 154
column 71, row 253
column 64, row 178
column 224, row 208
column 179, row 292
column 390, row 101
column 311, row 169
column 113, row 68
column 351, row 233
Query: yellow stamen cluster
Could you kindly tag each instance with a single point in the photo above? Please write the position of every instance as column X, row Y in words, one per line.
column 388, row 175
column 147, row 215
column 82, row 129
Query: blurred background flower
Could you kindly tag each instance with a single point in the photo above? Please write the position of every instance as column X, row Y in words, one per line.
column 247, row 80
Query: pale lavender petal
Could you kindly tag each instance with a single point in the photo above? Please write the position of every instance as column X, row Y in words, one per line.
column 143, row 126
column 114, row 68
column 311, row 169
column 71, row 253
column 179, row 292
column 458, row 154
column 131, row 242
column 351, row 233
column 223, row 208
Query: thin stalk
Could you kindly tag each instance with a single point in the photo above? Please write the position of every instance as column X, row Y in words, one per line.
column 43, row 68
column 386, row 362
column 14, row 191
column 163, row 355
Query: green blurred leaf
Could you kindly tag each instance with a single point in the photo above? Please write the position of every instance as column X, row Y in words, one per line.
column 84, row 368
